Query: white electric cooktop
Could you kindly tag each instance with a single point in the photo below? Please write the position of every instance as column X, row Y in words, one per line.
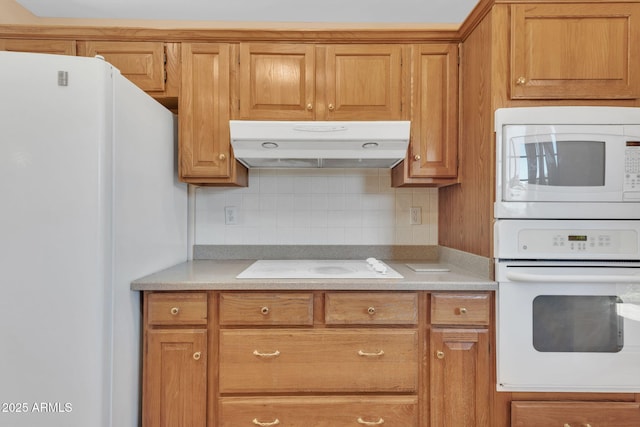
column 370, row 268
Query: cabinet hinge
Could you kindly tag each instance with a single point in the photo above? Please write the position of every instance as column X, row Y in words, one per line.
column 164, row 69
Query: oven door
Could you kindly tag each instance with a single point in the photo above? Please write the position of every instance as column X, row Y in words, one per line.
column 568, row 328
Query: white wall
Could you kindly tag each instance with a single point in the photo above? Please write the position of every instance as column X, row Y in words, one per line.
column 316, row 207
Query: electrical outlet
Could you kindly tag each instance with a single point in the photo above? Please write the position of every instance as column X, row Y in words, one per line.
column 230, row 215
column 415, row 216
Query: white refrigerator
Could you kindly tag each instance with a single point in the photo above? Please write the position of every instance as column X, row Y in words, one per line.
column 89, row 201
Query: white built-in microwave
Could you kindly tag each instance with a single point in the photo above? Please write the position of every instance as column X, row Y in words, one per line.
column 568, row 162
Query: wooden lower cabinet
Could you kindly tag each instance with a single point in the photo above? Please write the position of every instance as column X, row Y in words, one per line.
column 460, row 366
column 175, row 378
column 316, row 359
column 319, row 411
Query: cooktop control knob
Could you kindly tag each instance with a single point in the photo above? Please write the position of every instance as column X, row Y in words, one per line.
column 377, row 266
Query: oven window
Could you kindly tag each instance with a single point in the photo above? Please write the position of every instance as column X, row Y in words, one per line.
column 577, row 323
column 563, row 163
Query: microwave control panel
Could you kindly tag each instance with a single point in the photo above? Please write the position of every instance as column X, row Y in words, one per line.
column 632, row 166
column 558, row 241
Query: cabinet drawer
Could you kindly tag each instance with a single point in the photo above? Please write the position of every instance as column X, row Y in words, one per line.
column 460, row 309
column 177, row 308
column 575, row 414
column 371, row 308
column 352, row 411
column 318, row 360
column 266, row 308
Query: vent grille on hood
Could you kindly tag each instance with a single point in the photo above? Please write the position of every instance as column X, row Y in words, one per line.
column 294, row 144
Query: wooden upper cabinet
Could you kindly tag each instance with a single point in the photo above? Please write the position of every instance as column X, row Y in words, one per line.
column 141, row 62
column 432, row 158
column 58, row 47
column 296, row 81
column 277, row 81
column 205, row 155
column 362, row 82
column 575, row 51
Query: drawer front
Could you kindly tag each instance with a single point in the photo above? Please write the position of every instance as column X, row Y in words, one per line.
column 177, row 308
column 371, row 308
column 318, row 360
column 460, row 309
column 258, row 308
column 352, row 411
column 575, row 414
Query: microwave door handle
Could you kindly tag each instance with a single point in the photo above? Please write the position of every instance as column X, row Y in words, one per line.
column 570, row 278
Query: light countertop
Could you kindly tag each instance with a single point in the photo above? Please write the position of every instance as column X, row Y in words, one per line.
column 221, row 275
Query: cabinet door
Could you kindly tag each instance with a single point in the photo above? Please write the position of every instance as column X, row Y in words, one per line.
column 175, row 378
column 575, row 51
column 277, row 81
column 460, row 378
column 432, row 158
column 434, row 146
column 58, row 47
column 141, row 62
column 362, row 82
column 204, row 145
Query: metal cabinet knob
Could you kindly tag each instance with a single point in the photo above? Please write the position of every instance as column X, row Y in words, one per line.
column 222, row 156
column 196, row 355
column 417, row 157
column 521, row 81
column 309, row 107
column 463, row 310
column 264, row 310
column 440, row 354
column 175, row 310
column 371, row 310
column 331, row 107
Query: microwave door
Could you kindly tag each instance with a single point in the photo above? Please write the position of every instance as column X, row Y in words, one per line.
column 563, row 168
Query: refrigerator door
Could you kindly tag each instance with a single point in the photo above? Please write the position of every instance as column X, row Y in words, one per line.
column 55, row 255
column 150, row 226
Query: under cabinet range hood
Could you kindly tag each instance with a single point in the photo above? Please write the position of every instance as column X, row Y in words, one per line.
column 317, row 144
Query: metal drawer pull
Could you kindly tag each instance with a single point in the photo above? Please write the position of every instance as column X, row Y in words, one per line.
column 371, row 423
column 371, row 310
column 264, row 310
column 440, row 354
column 272, row 423
column 376, row 354
column 196, row 355
column 259, row 354
column 463, row 310
column 175, row 310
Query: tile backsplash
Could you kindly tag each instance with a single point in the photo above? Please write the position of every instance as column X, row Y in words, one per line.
column 316, row 207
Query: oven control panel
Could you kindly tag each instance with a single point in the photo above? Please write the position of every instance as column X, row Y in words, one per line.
column 577, row 241
column 567, row 239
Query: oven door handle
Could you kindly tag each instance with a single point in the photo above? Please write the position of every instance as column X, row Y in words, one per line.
column 571, row 278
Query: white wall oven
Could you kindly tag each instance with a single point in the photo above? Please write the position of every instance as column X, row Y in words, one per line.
column 567, row 162
column 567, row 249
column 568, row 318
